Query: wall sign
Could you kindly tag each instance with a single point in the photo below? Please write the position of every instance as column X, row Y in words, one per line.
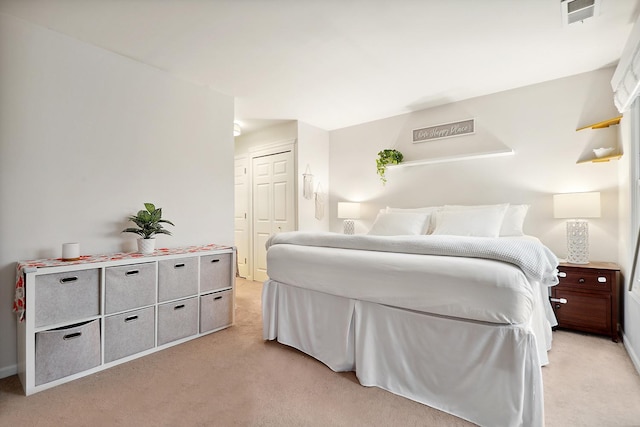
column 447, row 130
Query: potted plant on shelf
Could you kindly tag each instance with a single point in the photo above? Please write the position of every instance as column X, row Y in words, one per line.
column 149, row 222
column 387, row 157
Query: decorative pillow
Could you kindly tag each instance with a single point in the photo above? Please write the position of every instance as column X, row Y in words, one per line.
column 477, row 221
column 399, row 224
column 429, row 209
column 513, row 219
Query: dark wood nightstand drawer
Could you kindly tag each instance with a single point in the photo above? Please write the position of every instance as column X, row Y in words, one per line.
column 582, row 311
column 599, row 280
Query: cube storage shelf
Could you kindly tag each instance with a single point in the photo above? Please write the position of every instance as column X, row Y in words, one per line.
column 83, row 318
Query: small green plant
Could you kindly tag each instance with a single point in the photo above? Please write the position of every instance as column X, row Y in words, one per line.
column 149, row 222
column 387, row 157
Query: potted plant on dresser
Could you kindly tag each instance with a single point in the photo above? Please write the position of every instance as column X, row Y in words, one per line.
column 149, row 222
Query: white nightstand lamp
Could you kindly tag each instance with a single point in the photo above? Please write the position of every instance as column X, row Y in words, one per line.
column 577, row 206
column 349, row 211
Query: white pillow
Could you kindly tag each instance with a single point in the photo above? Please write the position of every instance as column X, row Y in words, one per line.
column 429, row 209
column 399, row 224
column 513, row 219
column 477, row 221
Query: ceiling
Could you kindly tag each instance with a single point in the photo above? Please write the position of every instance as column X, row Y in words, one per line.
column 337, row 63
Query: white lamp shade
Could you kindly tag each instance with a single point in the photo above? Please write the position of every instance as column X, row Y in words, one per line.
column 576, row 205
column 348, row 210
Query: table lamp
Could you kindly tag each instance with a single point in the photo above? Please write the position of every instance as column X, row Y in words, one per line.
column 349, row 211
column 577, row 206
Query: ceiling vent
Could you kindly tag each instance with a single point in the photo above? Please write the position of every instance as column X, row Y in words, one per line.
column 579, row 10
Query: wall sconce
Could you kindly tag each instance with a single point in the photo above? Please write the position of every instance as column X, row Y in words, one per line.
column 237, row 130
column 577, row 206
column 349, row 211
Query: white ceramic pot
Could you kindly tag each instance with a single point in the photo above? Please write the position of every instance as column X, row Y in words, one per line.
column 146, row 246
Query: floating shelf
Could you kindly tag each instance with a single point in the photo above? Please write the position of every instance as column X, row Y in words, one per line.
column 601, row 159
column 499, row 153
column 602, row 124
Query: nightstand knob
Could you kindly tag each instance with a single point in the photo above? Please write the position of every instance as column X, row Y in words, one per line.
column 581, row 280
column 562, row 274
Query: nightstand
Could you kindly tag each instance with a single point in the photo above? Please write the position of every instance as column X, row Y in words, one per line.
column 586, row 299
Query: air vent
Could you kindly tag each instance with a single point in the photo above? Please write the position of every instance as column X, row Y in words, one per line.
column 574, row 11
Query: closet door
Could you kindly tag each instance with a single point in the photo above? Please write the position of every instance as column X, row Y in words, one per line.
column 273, row 204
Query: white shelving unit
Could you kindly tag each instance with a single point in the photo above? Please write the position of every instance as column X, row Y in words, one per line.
column 616, row 154
column 119, row 305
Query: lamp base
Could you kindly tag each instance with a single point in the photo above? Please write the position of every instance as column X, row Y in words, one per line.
column 349, row 226
column 578, row 241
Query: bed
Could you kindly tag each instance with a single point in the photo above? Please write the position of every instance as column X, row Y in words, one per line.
column 459, row 323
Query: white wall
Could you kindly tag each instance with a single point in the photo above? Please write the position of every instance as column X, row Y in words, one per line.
column 539, row 122
column 313, row 151
column 88, row 136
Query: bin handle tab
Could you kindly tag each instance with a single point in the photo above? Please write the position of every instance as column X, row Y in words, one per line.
column 72, row 336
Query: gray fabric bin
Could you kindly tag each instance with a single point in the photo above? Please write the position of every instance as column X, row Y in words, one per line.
column 177, row 278
column 130, row 286
column 176, row 320
column 215, row 272
column 66, row 351
column 216, row 310
column 129, row 333
column 67, row 297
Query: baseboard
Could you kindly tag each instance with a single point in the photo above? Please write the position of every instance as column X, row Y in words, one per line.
column 632, row 355
column 7, row 371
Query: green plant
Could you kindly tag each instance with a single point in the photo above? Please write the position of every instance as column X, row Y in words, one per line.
column 149, row 222
column 387, row 157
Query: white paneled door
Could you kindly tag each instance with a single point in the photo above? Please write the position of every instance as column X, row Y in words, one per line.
column 241, row 215
column 273, row 204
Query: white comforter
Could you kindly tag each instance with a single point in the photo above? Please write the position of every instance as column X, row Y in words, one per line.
column 536, row 261
column 491, row 280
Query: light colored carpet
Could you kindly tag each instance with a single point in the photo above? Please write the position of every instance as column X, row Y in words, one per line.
column 234, row 378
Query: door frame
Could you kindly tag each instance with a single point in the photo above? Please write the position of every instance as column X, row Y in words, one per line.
column 245, row 159
column 268, row 150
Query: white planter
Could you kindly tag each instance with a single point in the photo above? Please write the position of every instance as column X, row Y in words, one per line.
column 146, row 246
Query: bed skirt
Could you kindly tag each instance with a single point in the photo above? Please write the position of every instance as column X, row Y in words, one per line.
column 486, row 373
